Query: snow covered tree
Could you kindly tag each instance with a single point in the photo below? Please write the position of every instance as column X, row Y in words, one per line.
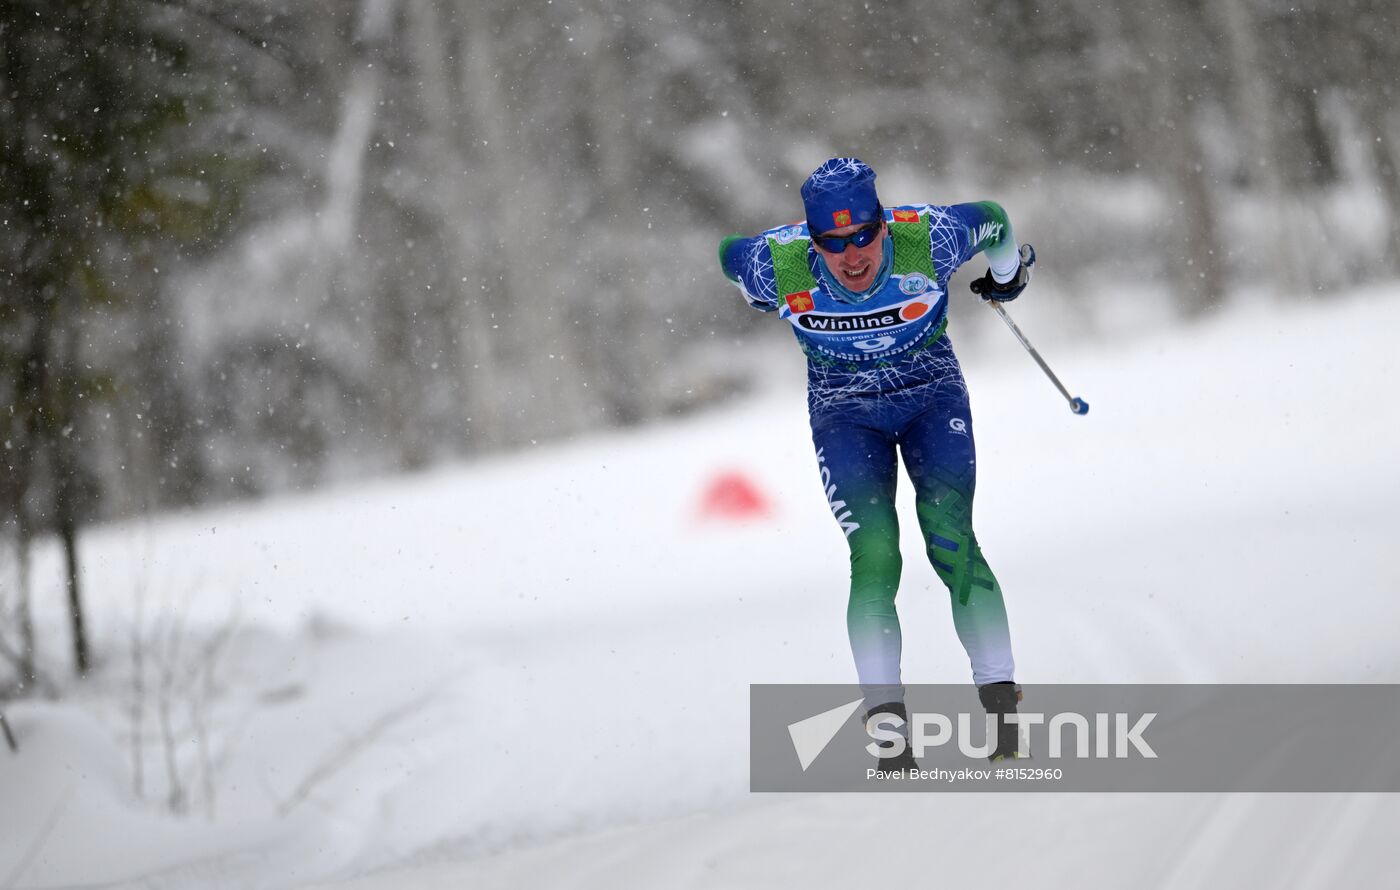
column 101, row 179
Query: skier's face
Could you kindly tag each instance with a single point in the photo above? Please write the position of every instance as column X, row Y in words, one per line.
column 855, row 267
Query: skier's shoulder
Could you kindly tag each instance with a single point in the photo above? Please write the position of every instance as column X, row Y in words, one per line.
column 934, row 215
column 755, row 255
column 943, row 220
column 912, row 212
column 786, row 233
column 753, row 261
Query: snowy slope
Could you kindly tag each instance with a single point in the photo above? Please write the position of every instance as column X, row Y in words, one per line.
column 533, row 670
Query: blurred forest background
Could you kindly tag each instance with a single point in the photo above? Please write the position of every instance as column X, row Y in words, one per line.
column 248, row 247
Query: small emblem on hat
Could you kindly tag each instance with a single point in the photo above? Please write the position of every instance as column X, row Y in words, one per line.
column 841, row 218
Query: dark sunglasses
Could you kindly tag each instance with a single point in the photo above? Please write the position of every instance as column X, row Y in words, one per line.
column 860, row 238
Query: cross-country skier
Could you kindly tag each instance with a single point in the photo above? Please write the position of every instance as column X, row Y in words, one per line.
column 865, row 289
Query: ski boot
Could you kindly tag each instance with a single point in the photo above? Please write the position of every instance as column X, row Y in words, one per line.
column 1000, row 699
column 904, row 760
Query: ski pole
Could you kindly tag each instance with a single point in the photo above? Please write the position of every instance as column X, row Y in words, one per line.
column 1076, row 404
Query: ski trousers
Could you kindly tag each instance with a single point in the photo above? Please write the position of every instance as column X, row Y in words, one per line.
column 856, row 436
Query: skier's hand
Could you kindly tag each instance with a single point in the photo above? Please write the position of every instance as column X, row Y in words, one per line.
column 988, row 288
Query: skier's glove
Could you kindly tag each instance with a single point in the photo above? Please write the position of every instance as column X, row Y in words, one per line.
column 988, row 288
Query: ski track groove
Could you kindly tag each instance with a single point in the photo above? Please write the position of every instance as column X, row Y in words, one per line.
column 1320, row 862
column 1209, row 845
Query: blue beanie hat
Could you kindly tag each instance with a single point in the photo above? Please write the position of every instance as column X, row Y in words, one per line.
column 841, row 192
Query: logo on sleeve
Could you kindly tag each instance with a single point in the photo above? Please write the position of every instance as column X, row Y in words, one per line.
column 799, row 302
column 906, row 216
column 841, row 218
column 984, row 232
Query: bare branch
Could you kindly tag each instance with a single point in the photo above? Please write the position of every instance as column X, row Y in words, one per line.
column 9, row 736
column 271, row 46
column 36, row 845
column 353, row 745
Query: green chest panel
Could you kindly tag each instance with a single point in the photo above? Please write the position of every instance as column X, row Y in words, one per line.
column 793, row 274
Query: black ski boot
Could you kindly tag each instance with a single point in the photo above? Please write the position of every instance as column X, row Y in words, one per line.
column 904, row 760
column 1000, row 699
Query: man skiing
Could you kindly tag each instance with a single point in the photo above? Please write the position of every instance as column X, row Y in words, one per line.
column 865, row 289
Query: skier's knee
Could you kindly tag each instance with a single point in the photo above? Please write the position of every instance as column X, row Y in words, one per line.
column 876, row 567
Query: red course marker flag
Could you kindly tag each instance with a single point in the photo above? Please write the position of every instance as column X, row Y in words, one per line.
column 733, row 496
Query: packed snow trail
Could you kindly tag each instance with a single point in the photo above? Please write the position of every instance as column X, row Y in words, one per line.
column 582, row 642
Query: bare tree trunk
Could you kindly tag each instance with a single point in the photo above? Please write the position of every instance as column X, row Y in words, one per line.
column 1255, row 105
column 445, row 155
column 29, row 396
column 68, row 531
column 626, row 386
column 345, row 161
column 1387, row 167
column 24, row 616
column 68, row 482
column 1195, row 263
column 138, row 645
column 486, row 384
column 164, row 397
column 341, row 215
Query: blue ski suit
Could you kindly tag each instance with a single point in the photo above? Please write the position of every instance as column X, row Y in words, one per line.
column 881, row 376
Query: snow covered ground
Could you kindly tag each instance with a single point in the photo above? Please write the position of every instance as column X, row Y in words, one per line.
column 533, row 671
